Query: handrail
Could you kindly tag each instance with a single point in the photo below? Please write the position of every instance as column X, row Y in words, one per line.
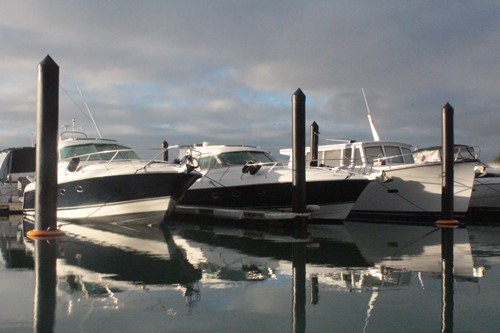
column 87, row 156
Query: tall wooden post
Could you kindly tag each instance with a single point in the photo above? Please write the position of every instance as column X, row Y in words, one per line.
column 47, row 124
column 299, row 161
column 447, row 191
column 314, row 144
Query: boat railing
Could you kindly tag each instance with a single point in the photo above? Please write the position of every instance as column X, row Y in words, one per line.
column 88, row 156
column 72, row 134
column 251, row 168
column 116, row 155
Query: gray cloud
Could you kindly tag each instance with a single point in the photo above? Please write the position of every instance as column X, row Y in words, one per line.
column 224, row 71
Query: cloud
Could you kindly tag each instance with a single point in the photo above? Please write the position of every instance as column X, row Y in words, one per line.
column 225, row 71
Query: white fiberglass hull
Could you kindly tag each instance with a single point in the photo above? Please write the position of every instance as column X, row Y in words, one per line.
column 414, row 192
column 485, row 200
column 148, row 211
column 270, row 189
column 119, row 192
column 486, row 193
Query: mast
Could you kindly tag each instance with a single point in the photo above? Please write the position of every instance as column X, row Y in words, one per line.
column 370, row 120
column 90, row 114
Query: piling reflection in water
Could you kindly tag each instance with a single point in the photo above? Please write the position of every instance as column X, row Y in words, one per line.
column 299, row 287
column 45, row 286
column 447, row 257
column 101, row 262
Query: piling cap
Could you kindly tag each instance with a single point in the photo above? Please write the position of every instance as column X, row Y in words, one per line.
column 48, row 61
column 447, row 106
column 298, row 92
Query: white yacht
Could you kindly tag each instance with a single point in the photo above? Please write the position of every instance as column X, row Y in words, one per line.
column 484, row 205
column 485, row 200
column 406, row 189
column 238, row 179
column 16, row 165
column 100, row 180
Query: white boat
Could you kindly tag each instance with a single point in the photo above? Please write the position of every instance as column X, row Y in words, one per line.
column 485, row 200
column 242, row 181
column 407, row 189
column 484, row 205
column 100, row 180
column 16, row 164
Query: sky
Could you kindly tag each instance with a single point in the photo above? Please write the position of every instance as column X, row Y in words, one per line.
column 225, row 71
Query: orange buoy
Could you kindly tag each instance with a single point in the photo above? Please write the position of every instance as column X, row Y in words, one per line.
column 44, row 234
column 447, row 223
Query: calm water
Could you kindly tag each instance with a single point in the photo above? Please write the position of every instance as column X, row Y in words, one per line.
column 354, row 277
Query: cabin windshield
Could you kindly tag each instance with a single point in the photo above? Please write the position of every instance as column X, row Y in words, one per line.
column 373, row 154
column 92, row 151
column 460, row 153
column 235, row 158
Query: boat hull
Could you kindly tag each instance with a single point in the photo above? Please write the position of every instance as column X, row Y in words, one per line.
column 271, row 189
column 133, row 198
column 485, row 200
column 413, row 193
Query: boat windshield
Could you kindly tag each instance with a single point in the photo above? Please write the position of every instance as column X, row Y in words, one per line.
column 95, row 152
column 433, row 154
column 388, row 155
column 235, row 158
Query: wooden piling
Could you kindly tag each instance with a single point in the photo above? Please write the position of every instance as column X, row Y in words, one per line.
column 314, row 144
column 447, row 192
column 47, row 124
column 299, row 162
column 165, row 150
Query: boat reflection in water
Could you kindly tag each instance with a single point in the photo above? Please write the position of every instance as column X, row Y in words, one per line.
column 100, row 261
column 353, row 257
column 136, row 268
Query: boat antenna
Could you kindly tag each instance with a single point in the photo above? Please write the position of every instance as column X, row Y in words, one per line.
column 90, row 113
column 370, row 120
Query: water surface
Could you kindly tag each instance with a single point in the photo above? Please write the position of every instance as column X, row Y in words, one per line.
column 201, row 277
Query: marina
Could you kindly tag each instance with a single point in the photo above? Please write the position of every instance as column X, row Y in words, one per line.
column 161, row 173
column 99, row 245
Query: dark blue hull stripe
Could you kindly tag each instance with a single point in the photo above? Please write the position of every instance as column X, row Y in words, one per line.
column 267, row 196
column 115, row 189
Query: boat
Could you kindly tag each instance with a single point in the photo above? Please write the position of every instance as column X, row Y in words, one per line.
column 100, row 180
column 406, row 190
column 247, row 182
column 485, row 200
column 16, row 165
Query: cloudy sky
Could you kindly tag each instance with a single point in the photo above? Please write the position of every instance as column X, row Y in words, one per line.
column 225, row 71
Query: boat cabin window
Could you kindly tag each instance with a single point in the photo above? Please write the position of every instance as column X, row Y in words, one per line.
column 393, row 154
column 208, row 162
column 235, row 158
column 408, row 155
column 464, row 153
column 333, row 158
column 91, row 152
column 373, row 153
column 357, row 159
